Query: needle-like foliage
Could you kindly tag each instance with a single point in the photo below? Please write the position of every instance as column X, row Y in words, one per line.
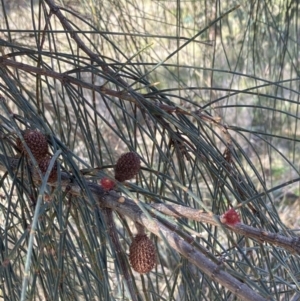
column 205, row 94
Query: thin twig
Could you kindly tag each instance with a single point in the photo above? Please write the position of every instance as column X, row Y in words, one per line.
column 291, row 244
column 111, row 227
column 65, row 78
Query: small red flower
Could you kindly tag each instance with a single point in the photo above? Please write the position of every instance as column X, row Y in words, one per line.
column 230, row 217
column 107, row 184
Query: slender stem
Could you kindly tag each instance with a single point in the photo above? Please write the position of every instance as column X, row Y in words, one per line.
column 34, row 227
column 111, row 227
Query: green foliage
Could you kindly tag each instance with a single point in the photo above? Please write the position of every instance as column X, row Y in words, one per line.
column 206, row 92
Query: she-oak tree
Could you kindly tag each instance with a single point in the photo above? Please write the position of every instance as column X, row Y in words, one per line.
column 75, row 235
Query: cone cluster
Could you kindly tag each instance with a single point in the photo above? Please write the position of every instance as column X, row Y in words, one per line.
column 127, row 166
column 38, row 145
column 142, row 254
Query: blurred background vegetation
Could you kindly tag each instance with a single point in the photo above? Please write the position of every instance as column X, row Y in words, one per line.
column 240, row 69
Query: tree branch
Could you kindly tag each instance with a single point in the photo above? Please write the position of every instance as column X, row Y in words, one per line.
column 129, row 208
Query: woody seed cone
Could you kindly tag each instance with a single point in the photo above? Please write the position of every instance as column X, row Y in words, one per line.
column 127, row 166
column 43, row 165
column 142, row 254
column 36, row 142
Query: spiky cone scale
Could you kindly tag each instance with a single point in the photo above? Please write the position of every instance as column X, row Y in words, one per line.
column 36, row 142
column 127, row 166
column 142, row 254
column 43, row 166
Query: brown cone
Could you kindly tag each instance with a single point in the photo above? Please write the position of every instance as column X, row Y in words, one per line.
column 43, row 165
column 36, row 142
column 142, row 254
column 127, row 166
